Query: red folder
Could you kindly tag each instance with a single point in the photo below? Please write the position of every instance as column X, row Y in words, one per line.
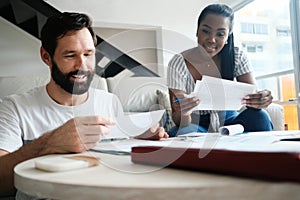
column 281, row 166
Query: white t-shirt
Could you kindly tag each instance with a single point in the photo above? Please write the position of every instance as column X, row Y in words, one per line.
column 25, row 117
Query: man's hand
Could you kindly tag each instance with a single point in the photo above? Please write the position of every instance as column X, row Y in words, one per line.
column 261, row 99
column 78, row 134
column 154, row 133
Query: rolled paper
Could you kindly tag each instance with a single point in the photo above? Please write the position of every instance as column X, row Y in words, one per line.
column 231, row 129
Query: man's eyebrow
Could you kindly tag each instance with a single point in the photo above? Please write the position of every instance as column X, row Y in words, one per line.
column 74, row 51
column 91, row 50
column 68, row 51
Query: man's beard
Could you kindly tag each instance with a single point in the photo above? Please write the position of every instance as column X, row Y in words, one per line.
column 64, row 81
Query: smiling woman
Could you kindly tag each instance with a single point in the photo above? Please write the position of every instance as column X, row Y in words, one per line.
column 215, row 43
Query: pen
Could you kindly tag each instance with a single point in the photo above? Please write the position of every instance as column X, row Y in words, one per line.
column 112, row 139
column 114, row 152
column 178, row 100
column 290, row 139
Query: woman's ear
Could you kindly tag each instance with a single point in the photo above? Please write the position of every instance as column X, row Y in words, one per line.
column 45, row 57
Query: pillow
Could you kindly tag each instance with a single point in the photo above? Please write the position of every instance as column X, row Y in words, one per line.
column 137, row 94
column 277, row 116
column 164, row 103
column 142, row 100
column 99, row 83
column 21, row 84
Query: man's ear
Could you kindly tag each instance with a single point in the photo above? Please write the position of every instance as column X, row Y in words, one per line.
column 45, row 57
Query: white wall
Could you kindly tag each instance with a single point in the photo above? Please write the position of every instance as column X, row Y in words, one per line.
column 174, row 15
column 19, row 52
column 138, row 43
column 20, row 65
column 177, row 18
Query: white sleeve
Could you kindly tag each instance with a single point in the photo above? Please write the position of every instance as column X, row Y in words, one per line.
column 176, row 76
column 10, row 131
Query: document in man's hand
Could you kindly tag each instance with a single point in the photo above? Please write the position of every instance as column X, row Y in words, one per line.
column 132, row 125
column 220, row 94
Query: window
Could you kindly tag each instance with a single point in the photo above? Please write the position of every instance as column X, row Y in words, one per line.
column 254, row 28
column 247, row 28
column 271, row 55
column 261, row 29
column 273, row 22
column 283, row 48
column 259, row 48
column 253, row 48
column 283, row 31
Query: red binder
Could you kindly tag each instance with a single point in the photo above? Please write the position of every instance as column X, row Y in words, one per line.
column 281, row 166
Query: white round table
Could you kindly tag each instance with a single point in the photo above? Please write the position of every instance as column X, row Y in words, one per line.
column 118, row 178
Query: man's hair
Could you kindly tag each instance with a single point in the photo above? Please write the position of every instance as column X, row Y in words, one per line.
column 227, row 53
column 57, row 26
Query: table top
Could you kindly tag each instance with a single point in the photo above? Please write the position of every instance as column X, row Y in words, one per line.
column 118, row 178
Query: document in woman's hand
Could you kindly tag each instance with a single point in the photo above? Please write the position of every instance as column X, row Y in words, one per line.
column 220, row 94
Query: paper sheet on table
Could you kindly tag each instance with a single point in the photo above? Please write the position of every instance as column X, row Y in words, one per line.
column 220, row 94
column 134, row 124
column 123, row 147
column 270, row 141
column 254, row 141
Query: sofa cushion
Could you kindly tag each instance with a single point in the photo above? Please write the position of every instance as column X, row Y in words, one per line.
column 164, row 103
column 277, row 116
column 137, row 94
column 99, row 83
column 21, row 84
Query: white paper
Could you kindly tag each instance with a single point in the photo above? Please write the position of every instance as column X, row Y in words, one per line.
column 120, row 147
column 253, row 141
column 220, row 94
column 134, row 124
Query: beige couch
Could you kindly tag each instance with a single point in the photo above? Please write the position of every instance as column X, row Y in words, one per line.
column 140, row 94
column 137, row 94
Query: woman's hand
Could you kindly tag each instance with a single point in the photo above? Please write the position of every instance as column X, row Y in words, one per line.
column 182, row 103
column 258, row 100
column 182, row 107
